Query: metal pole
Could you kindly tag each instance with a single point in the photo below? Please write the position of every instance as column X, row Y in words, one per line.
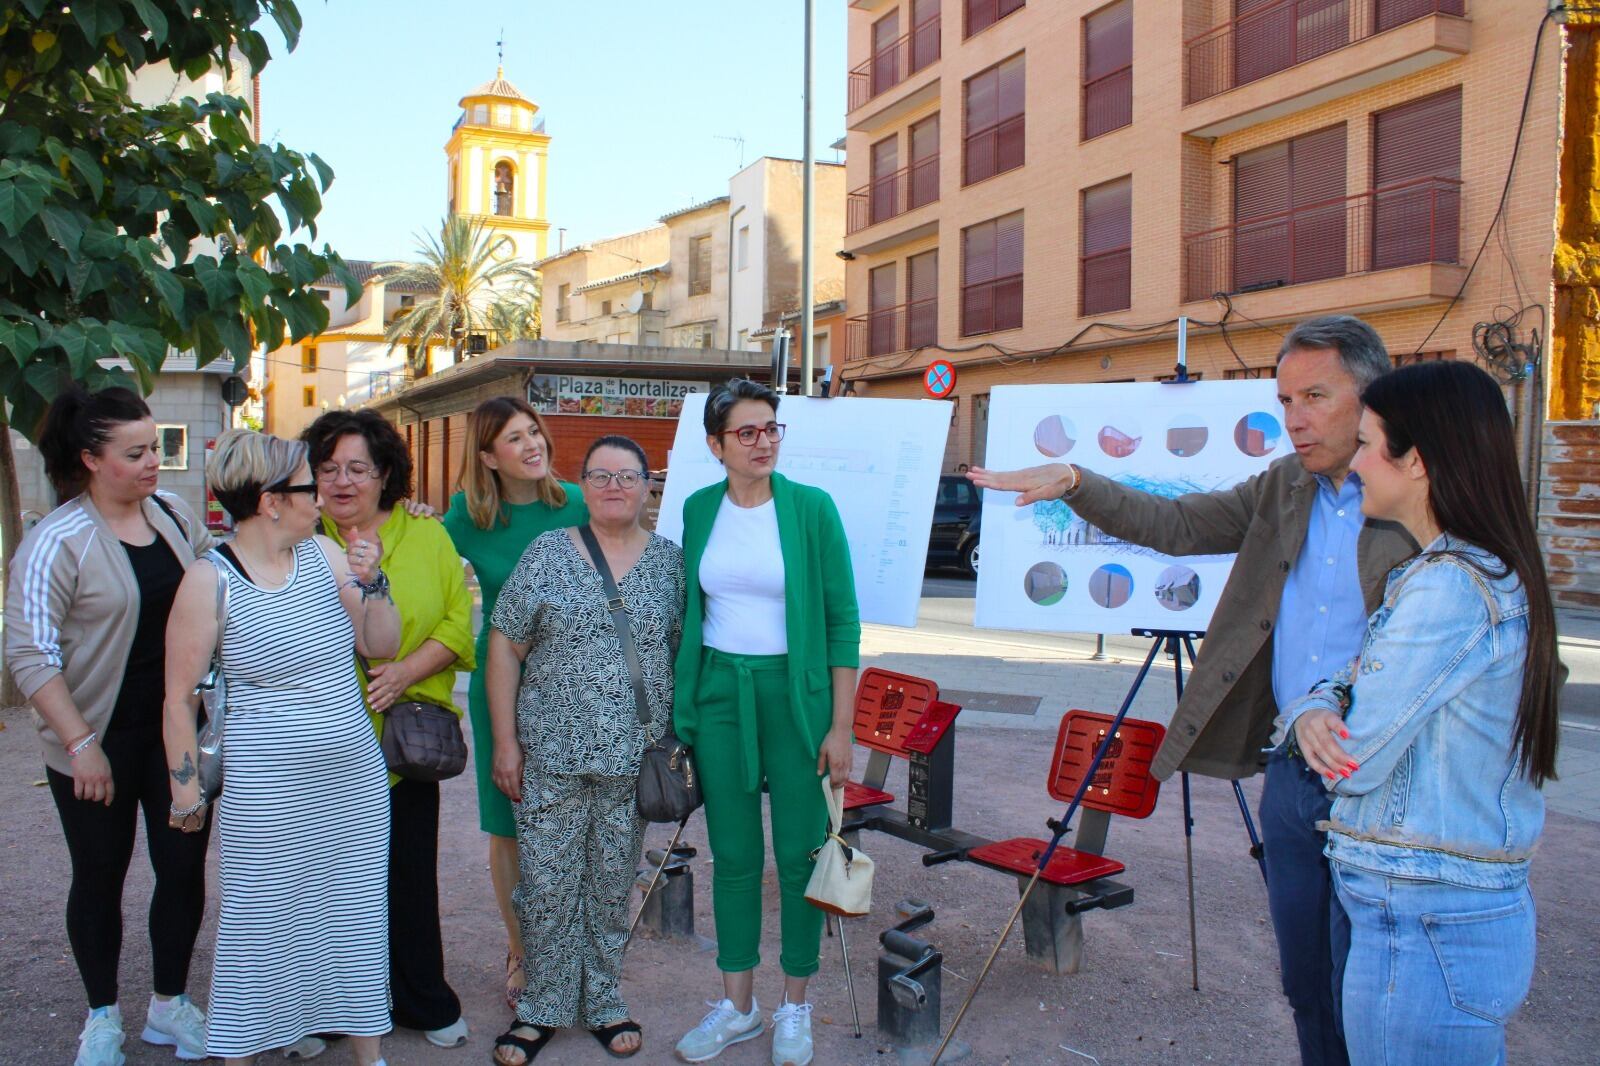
column 807, row 213
column 1188, row 811
column 844, row 950
column 666, row 857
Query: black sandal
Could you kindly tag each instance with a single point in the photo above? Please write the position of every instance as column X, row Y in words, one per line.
column 607, row 1033
column 530, row 1048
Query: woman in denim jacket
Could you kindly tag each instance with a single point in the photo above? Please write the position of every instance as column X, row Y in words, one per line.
column 1437, row 740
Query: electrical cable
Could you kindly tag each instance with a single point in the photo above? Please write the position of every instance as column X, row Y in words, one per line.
column 1505, row 190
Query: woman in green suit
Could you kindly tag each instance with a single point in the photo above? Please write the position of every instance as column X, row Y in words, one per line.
column 766, row 679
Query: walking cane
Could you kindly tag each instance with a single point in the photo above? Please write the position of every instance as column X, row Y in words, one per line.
column 844, row 949
column 666, row 857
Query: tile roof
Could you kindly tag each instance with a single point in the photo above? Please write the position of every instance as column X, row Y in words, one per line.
column 702, row 205
column 366, row 271
column 498, row 86
column 659, row 268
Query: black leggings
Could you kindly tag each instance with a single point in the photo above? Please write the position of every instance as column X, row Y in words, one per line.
column 100, row 841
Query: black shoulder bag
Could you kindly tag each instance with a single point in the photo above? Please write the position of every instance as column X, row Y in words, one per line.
column 669, row 789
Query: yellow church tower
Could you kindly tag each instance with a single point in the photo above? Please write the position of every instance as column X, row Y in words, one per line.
column 496, row 162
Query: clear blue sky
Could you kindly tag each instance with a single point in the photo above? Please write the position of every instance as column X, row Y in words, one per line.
column 634, row 94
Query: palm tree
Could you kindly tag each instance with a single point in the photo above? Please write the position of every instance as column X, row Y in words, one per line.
column 461, row 267
column 517, row 317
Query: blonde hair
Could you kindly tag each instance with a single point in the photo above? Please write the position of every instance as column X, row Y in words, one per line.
column 246, row 464
column 481, row 485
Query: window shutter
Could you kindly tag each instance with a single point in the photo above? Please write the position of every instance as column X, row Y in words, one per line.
column 1106, row 276
column 1392, row 13
column 1008, row 272
column 923, row 181
column 922, row 295
column 1107, row 70
column 886, row 72
column 881, row 317
column 1263, row 38
column 1318, row 226
column 1415, row 219
column 1260, row 201
column 885, row 161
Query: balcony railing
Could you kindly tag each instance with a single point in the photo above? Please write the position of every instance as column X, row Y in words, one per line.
column 893, row 194
column 1411, row 222
column 892, row 329
column 895, row 62
column 1275, row 38
column 995, row 149
column 1108, row 103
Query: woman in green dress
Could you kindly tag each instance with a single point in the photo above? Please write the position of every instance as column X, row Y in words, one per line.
column 509, row 496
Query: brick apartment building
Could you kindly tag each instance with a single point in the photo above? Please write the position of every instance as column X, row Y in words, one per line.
column 1038, row 189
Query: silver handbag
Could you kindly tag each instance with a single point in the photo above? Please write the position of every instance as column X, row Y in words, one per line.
column 213, row 693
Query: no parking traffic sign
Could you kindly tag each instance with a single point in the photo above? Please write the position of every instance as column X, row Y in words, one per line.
column 939, row 380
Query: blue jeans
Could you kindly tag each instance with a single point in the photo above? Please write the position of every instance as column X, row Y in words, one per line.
column 1313, row 935
column 1435, row 970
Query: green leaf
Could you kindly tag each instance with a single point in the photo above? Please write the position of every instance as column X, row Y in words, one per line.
column 255, row 282
column 177, row 243
column 96, row 18
column 237, row 339
column 217, row 282
column 64, row 226
column 153, row 19
column 297, row 314
column 288, row 20
column 226, row 166
column 20, row 201
column 44, row 377
column 171, row 291
column 324, row 171
column 346, row 277
column 19, row 339
column 85, row 165
column 73, row 338
column 100, row 240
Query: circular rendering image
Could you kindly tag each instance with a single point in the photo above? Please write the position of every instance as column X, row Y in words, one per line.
column 1045, row 583
column 1055, row 436
column 1178, row 588
column 1257, row 433
column 1186, row 435
column 1111, row 585
column 1122, row 440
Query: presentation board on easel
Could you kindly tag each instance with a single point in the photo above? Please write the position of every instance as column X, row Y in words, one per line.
column 878, row 459
column 1046, row 568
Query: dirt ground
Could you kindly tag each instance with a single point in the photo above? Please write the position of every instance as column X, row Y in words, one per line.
column 1132, row 1005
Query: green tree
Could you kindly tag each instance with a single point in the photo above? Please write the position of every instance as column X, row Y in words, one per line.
column 517, row 317
column 461, row 266
column 127, row 231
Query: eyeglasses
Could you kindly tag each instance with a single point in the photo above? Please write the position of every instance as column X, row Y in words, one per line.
column 309, row 490
column 626, row 479
column 749, row 434
column 355, row 470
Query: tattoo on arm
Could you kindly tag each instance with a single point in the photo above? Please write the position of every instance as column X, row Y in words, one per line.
column 185, row 773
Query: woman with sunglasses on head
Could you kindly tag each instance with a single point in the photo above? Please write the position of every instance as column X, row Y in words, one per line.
column 363, row 470
column 509, row 497
column 1438, row 738
column 766, row 682
column 85, row 639
column 302, row 943
column 568, row 743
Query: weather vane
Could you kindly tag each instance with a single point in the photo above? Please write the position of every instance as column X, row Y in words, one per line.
column 500, row 47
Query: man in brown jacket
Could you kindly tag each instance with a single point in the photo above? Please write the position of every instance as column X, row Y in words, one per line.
column 1309, row 570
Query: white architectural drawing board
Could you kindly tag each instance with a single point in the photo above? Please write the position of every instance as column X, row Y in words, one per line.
column 878, row 459
column 1046, row 568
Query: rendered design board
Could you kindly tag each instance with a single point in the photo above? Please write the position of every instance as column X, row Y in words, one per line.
column 1046, row 568
column 878, row 459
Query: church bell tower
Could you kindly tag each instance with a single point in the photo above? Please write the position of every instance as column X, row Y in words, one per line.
column 496, row 160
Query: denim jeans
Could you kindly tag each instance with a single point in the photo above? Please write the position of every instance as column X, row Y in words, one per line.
column 1435, row 970
column 1312, row 932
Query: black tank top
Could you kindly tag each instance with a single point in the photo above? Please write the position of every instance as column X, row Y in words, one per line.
column 157, row 572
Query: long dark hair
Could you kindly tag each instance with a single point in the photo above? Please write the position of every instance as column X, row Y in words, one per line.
column 1455, row 416
column 81, row 421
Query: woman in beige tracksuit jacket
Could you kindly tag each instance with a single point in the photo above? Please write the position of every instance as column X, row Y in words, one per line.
column 85, row 639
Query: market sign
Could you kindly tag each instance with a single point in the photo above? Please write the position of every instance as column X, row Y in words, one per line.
column 573, row 394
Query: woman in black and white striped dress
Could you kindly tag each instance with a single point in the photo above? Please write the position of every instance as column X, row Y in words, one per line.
column 302, row 942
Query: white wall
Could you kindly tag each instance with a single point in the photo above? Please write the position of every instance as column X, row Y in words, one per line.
column 748, row 189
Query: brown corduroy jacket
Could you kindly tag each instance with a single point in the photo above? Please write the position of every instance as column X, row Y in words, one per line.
column 1225, row 716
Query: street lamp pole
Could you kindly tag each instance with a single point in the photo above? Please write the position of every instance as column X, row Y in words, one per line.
column 807, row 214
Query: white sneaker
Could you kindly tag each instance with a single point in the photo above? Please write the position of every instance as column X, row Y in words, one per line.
column 176, row 1023
column 307, row 1047
column 452, row 1035
column 722, row 1027
column 100, row 1043
column 791, row 1035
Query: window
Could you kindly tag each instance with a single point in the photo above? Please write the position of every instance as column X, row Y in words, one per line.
column 174, row 447
column 744, row 247
column 744, row 340
column 922, row 184
column 1249, row 373
column 504, row 188
column 308, row 359
column 1106, row 269
column 994, row 102
column 991, row 275
column 886, row 69
column 308, row 396
column 981, row 14
column 1408, row 358
column 563, row 303
column 605, row 307
column 407, row 300
column 1416, row 182
column 1273, row 35
column 700, row 265
column 323, row 294
column 922, row 299
column 924, row 33
column 882, row 318
column 884, row 198
column 1107, row 70
column 1289, row 211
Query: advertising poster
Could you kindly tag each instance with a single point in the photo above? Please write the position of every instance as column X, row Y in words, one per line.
column 1046, row 568
column 878, row 459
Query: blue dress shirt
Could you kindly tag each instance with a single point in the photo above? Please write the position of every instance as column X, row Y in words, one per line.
column 1322, row 617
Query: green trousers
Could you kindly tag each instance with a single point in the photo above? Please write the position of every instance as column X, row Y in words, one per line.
column 747, row 736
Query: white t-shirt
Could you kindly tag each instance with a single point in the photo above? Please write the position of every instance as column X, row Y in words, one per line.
column 743, row 579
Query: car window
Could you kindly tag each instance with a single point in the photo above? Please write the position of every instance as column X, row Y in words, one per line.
column 949, row 493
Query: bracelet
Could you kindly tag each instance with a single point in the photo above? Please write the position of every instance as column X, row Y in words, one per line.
column 78, row 749
column 378, row 588
column 185, row 812
column 1077, row 479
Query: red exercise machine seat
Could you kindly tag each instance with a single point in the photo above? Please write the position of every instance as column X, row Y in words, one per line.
column 857, row 795
column 1068, row 866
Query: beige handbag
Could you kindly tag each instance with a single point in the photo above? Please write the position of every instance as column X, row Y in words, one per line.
column 841, row 883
